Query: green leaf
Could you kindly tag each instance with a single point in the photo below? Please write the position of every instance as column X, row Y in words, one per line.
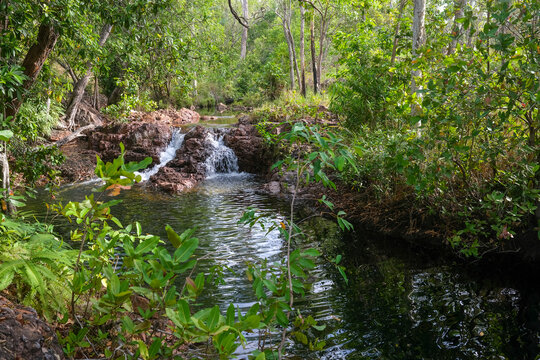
column 281, row 318
column 213, row 318
column 5, row 135
column 311, row 252
column 6, row 277
column 340, row 163
column 147, row 245
column 229, row 319
column 184, row 252
column 271, row 286
column 173, row 237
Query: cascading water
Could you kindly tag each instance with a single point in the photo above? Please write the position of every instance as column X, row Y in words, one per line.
column 166, row 155
column 222, row 160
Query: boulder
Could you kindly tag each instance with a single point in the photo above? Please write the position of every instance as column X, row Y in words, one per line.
column 170, row 180
column 170, row 117
column 188, row 168
column 221, row 107
column 141, row 139
column 252, row 153
column 23, row 335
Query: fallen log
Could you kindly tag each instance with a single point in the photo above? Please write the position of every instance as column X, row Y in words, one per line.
column 72, row 136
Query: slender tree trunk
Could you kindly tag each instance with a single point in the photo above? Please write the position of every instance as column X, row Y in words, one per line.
column 243, row 51
column 419, row 39
column 80, row 86
column 470, row 34
column 10, row 208
column 291, row 56
column 402, row 4
column 322, row 38
column 302, row 52
column 313, row 56
column 457, row 28
column 33, row 62
column 48, row 103
column 95, row 103
column 293, row 47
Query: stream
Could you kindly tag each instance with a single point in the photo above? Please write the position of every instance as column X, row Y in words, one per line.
column 400, row 302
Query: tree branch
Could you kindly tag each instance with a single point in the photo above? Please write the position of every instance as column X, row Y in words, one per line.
column 241, row 20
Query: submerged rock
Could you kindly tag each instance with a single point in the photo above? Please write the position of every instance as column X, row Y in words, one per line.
column 23, row 335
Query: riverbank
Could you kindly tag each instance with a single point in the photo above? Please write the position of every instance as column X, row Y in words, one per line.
column 397, row 213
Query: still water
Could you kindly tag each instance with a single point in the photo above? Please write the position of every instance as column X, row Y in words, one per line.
column 399, row 304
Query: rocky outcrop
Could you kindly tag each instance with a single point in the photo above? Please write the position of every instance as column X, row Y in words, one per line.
column 171, row 117
column 141, row 139
column 253, row 154
column 221, row 107
column 87, row 115
column 23, row 335
column 188, row 167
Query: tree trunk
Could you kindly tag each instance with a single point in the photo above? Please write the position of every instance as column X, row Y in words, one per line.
column 402, row 4
column 95, row 102
column 80, row 86
column 9, row 207
column 457, row 28
column 313, row 56
column 472, row 27
column 293, row 48
column 418, row 40
column 243, row 51
column 33, row 62
column 302, row 52
column 291, row 56
column 322, row 38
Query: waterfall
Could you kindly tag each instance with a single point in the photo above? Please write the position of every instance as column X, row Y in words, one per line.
column 166, row 155
column 222, row 160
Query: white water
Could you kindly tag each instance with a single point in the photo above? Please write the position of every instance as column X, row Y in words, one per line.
column 223, row 160
column 166, row 155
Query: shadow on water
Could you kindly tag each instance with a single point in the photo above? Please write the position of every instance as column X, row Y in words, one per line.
column 400, row 303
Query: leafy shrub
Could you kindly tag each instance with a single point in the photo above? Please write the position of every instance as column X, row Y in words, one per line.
column 121, row 111
column 34, row 265
column 35, row 120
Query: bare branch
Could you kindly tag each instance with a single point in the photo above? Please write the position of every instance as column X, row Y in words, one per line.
column 241, row 20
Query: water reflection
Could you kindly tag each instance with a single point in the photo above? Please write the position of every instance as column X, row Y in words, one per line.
column 399, row 304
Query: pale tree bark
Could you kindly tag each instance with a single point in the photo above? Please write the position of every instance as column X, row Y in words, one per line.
column 33, row 62
column 457, row 28
column 80, row 86
column 243, row 51
column 95, row 101
column 402, row 4
column 322, row 38
column 302, row 52
column 322, row 8
column 418, row 40
column 472, row 28
column 291, row 54
column 313, row 56
column 286, row 15
column 9, row 209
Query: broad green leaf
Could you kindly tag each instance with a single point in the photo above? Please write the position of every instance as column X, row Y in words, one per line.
column 173, row 237
column 5, row 135
column 184, row 252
